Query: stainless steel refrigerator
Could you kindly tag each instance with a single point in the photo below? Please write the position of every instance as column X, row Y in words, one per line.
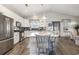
column 6, row 34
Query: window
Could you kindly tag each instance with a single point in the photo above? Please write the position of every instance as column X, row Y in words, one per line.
column 35, row 24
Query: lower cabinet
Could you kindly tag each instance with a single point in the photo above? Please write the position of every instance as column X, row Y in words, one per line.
column 6, row 45
column 16, row 37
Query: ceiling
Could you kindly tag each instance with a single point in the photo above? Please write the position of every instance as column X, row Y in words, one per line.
column 33, row 9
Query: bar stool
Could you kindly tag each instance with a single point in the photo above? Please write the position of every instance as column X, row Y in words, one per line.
column 44, row 45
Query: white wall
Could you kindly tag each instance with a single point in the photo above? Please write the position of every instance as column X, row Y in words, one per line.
column 54, row 16
column 11, row 14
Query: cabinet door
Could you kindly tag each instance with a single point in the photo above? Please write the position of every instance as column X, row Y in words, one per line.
column 25, row 23
column 11, row 27
column 6, row 45
column 8, row 27
column 2, row 24
column 42, row 23
column 16, row 37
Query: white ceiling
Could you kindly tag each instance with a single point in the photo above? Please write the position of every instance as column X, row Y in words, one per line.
column 22, row 10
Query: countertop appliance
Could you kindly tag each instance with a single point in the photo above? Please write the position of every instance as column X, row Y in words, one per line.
column 6, row 34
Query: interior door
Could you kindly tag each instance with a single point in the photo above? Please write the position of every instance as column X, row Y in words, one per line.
column 56, row 26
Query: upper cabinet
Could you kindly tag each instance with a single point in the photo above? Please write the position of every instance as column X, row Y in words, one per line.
column 66, row 24
column 34, row 23
column 42, row 23
column 25, row 23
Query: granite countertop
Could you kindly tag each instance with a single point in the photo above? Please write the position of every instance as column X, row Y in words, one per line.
column 18, row 31
column 33, row 34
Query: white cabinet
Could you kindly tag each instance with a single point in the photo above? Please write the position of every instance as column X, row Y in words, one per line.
column 25, row 34
column 25, row 23
column 77, row 40
column 42, row 23
column 16, row 37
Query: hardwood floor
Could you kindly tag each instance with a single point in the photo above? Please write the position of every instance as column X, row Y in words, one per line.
column 20, row 48
column 65, row 47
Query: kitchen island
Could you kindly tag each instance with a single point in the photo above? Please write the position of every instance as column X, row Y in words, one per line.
column 33, row 50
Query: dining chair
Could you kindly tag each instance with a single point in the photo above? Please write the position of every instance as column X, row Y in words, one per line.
column 44, row 45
